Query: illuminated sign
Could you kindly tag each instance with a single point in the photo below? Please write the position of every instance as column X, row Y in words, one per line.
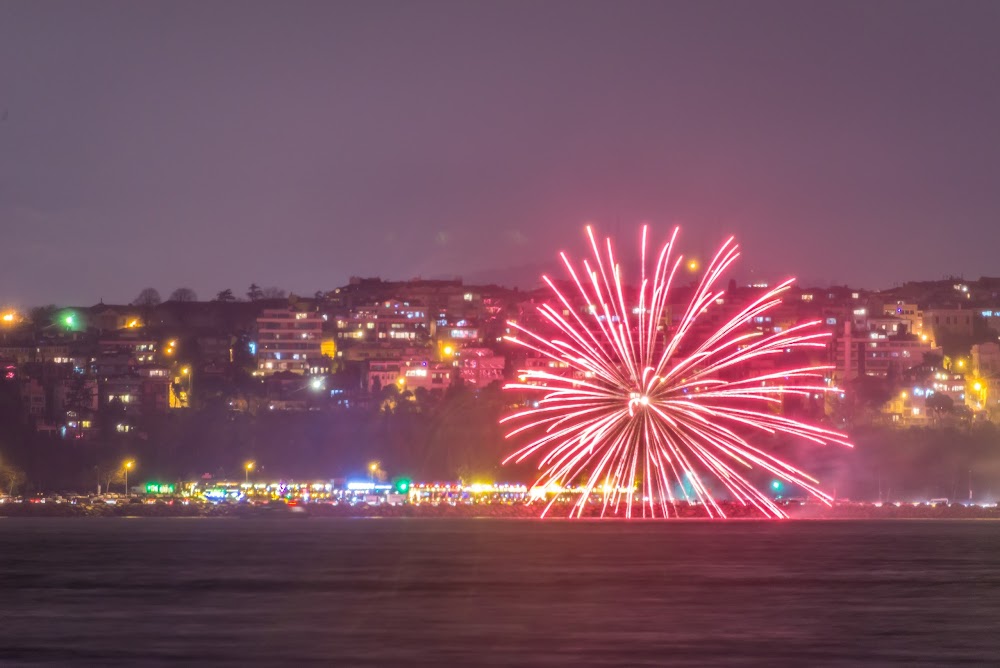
column 159, row 488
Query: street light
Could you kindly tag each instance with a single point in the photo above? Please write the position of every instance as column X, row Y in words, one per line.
column 127, row 465
column 372, row 468
column 186, row 371
column 249, row 467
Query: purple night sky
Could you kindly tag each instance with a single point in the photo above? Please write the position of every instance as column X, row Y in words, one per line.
column 215, row 144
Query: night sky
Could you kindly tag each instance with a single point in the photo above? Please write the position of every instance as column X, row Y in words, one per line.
column 215, row 144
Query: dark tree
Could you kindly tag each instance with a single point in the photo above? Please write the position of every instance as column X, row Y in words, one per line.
column 940, row 404
column 225, row 296
column 11, row 478
column 273, row 293
column 148, row 297
column 254, row 293
column 41, row 315
column 183, row 295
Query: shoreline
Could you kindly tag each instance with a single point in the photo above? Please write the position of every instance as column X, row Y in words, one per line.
column 486, row 511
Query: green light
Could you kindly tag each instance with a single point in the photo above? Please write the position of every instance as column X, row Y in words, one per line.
column 403, row 486
column 69, row 320
column 159, row 488
column 775, row 485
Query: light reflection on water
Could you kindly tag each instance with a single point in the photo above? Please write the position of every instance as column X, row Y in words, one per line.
column 497, row 592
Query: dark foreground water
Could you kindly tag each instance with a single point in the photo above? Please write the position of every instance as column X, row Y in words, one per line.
column 228, row 592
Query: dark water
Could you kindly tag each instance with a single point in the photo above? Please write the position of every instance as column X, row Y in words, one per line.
column 149, row 592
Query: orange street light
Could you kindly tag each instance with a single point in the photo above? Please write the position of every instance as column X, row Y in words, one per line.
column 127, row 466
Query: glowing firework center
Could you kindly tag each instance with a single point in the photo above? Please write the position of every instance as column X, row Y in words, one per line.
column 645, row 412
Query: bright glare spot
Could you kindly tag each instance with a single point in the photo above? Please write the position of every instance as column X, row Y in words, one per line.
column 693, row 265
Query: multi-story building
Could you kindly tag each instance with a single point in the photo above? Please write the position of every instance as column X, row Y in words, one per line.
column 874, row 353
column 984, row 386
column 941, row 323
column 289, row 340
column 387, row 321
column 140, row 350
column 479, row 366
column 112, row 318
column 910, row 312
column 407, row 374
column 992, row 319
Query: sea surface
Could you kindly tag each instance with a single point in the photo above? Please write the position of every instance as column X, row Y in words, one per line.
column 454, row 592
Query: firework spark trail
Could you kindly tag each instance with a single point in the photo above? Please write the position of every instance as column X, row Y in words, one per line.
column 627, row 409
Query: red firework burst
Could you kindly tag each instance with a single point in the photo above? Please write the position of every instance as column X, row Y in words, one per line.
column 635, row 407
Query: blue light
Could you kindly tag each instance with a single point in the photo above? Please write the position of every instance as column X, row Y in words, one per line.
column 253, row 347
